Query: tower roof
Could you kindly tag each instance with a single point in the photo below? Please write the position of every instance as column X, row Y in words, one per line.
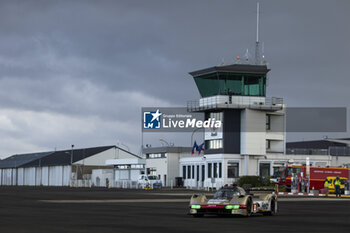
column 234, row 68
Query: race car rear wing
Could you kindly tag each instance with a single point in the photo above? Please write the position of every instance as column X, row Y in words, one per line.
column 248, row 188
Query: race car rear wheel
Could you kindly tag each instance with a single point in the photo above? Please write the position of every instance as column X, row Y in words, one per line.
column 273, row 208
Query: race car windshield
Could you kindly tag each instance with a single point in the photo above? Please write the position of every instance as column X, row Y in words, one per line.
column 227, row 193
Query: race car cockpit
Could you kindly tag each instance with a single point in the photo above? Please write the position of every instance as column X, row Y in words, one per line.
column 229, row 192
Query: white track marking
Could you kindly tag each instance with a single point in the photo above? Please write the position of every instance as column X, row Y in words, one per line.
column 313, row 199
column 177, row 200
column 118, row 201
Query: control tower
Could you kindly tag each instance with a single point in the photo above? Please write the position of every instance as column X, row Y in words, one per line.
column 253, row 125
column 251, row 140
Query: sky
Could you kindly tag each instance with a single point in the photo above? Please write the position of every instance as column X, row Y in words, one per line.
column 78, row 72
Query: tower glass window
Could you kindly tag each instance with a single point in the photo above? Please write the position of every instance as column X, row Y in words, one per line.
column 240, row 84
column 213, row 144
column 215, row 115
column 268, row 122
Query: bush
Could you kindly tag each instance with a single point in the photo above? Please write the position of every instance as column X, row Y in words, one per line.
column 254, row 181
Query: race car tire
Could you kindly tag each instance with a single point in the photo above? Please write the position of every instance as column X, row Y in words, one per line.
column 249, row 207
column 274, row 208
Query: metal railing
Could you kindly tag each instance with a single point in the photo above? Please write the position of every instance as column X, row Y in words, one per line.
column 223, row 101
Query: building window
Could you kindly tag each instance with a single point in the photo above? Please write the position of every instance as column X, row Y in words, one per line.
column 123, row 166
column 268, row 144
column 209, row 170
column 203, row 172
column 184, row 172
column 213, row 144
column 215, row 170
column 268, row 122
column 188, row 172
column 137, row 166
column 215, row 115
column 156, row 155
column 232, row 169
column 197, row 178
column 264, row 170
column 151, row 171
column 219, row 83
column 192, row 171
column 220, row 170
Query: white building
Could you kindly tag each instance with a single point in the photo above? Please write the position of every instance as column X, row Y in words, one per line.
column 57, row 168
column 251, row 140
column 164, row 162
column 252, row 130
column 127, row 170
column 102, row 177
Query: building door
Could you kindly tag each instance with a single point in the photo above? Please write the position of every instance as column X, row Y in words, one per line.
column 98, row 181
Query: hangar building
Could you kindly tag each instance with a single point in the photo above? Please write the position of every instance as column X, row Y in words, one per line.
column 58, row 168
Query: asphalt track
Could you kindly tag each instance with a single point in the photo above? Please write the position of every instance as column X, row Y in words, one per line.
column 29, row 209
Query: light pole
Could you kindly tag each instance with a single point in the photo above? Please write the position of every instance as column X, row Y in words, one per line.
column 71, row 162
column 71, row 155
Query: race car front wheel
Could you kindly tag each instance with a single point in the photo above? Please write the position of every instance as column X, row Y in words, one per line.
column 249, row 207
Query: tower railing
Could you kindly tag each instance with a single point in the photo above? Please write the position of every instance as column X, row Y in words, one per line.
column 238, row 102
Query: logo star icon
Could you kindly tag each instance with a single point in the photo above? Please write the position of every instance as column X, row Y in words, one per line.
column 156, row 115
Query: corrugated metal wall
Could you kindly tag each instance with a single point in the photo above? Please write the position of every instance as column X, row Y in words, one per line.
column 36, row 176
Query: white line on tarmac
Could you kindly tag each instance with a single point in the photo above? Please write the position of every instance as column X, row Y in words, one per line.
column 171, row 194
column 176, row 200
column 118, row 201
column 313, row 199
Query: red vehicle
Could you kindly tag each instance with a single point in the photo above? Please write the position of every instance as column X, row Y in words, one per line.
column 317, row 175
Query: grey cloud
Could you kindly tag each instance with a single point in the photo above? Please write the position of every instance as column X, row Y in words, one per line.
column 104, row 60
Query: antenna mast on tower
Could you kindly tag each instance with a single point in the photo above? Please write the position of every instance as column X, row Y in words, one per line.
column 257, row 45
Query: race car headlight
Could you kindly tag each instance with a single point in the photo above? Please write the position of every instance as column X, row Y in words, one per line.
column 230, row 207
column 195, row 206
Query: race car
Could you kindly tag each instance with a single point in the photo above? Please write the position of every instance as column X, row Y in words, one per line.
column 234, row 200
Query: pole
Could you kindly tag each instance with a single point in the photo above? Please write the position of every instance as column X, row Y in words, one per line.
column 257, row 22
column 308, row 174
column 71, row 162
column 257, row 35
